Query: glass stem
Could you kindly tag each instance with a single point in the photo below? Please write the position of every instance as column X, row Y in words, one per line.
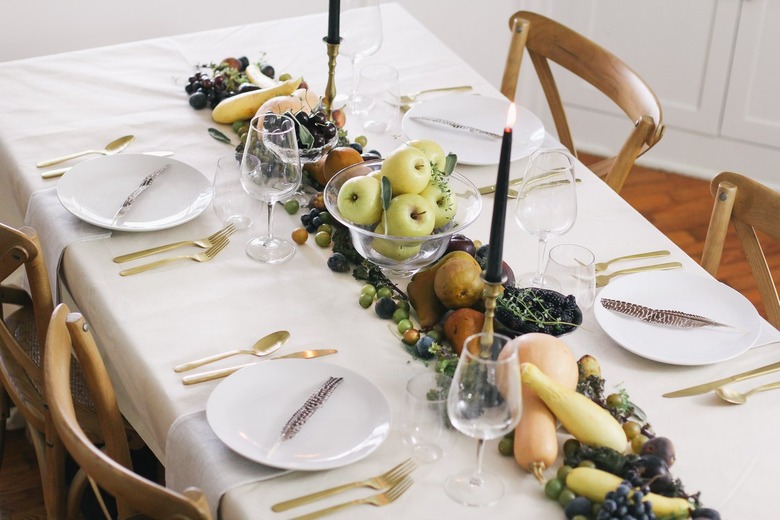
column 270, row 220
column 476, row 477
column 353, row 94
column 540, row 260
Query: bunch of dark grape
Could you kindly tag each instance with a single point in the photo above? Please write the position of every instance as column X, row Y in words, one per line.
column 621, row 504
column 226, row 80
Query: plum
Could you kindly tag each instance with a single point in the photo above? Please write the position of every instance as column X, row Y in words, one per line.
column 660, row 447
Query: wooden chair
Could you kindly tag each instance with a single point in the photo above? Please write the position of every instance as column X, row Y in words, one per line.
column 547, row 40
column 111, row 469
column 750, row 206
column 22, row 341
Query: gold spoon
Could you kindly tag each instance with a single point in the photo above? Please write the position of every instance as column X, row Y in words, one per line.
column 411, row 98
column 113, row 147
column 604, row 279
column 733, row 396
column 264, row 346
column 602, row 266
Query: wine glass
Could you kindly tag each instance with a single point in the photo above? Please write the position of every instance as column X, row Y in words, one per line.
column 484, row 403
column 361, row 35
column 270, row 171
column 546, row 206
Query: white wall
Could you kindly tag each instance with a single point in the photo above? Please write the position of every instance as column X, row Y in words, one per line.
column 477, row 31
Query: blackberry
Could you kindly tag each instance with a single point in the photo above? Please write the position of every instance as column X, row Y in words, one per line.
column 338, row 263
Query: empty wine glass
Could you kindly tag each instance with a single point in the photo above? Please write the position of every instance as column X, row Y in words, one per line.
column 270, row 171
column 484, row 403
column 546, row 206
column 361, row 35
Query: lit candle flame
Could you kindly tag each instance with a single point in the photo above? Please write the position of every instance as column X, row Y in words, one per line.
column 511, row 116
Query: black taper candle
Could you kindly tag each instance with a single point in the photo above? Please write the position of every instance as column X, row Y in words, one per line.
column 334, row 15
column 495, row 269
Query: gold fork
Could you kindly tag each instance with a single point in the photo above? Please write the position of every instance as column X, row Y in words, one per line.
column 205, row 256
column 202, row 242
column 380, row 499
column 412, row 98
column 382, row 481
column 604, row 279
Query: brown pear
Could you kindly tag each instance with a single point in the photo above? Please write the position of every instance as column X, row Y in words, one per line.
column 423, row 298
column 459, row 282
column 460, row 324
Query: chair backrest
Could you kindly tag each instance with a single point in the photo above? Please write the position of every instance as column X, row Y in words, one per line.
column 110, row 469
column 547, row 40
column 749, row 206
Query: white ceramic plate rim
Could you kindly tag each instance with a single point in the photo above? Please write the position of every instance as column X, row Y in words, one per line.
column 683, row 292
column 248, row 410
column 94, row 190
column 481, row 112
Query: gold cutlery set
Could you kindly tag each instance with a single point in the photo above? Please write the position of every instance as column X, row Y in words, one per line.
column 604, row 279
column 265, row 346
column 212, row 244
column 728, row 393
column 391, row 484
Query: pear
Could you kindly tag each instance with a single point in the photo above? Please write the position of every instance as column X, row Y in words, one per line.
column 460, row 324
column 459, row 282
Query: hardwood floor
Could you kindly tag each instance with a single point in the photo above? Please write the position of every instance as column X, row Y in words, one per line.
column 679, row 206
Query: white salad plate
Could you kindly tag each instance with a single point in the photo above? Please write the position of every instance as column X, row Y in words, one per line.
column 484, row 113
column 248, row 410
column 94, row 190
column 684, row 292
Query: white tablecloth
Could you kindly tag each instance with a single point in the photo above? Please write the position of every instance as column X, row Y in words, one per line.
column 148, row 323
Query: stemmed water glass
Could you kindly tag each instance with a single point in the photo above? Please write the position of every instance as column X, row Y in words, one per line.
column 546, row 206
column 484, row 403
column 361, row 35
column 270, row 172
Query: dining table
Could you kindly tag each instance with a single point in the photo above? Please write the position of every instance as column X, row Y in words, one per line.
column 146, row 324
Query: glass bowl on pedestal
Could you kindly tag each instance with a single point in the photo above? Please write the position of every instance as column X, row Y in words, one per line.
column 402, row 256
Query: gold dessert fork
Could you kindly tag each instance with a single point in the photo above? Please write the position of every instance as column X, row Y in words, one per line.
column 202, row 242
column 411, row 98
column 382, row 481
column 380, row 499
column 604, row 279
column 602, row 266
column 205, row 256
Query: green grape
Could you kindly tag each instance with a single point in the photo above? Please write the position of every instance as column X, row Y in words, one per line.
column 322, row 238
column 506, row 447
column 400, row 314
column 566, row 496
column 553, row 488
column 384, row 292
column 292, row 206
column 366, row 300
column 368, row 289
column 632, row 429
column 404, row 325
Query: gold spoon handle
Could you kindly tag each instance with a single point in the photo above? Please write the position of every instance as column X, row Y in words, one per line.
column 206, row 360
column 763, row 388
column 441, row 89
column 651, row 254
column 57, row 160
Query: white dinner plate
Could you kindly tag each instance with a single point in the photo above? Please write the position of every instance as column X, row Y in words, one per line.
column 480, row 112
column 94, row 190
column 683, row 292
column 248, row 410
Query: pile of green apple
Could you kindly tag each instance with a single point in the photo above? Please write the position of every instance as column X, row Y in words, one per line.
column 421, row 200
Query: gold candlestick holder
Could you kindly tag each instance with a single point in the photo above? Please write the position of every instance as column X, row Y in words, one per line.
column 330, row 88
column 490, row 294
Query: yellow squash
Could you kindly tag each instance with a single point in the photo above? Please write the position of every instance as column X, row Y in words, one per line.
column 244, row 106
column 594, row 484
column 585, row 420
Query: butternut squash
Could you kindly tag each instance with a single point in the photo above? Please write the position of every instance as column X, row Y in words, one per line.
column 594, row 484
column 585, row 420
column 536, row 436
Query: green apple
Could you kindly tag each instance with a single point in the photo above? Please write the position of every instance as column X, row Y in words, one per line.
column 359, row 200
column 443, row 201
column 433, row 151
column 410, row 215
column 407, row 169
column 395, row 250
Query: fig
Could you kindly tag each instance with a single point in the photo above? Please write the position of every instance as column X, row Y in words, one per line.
column 660, row 447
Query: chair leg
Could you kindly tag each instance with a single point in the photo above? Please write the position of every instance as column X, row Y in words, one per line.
column 5, row 413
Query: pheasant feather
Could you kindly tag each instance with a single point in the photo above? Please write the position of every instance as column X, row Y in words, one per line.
column 666, row 317
column 311, row 405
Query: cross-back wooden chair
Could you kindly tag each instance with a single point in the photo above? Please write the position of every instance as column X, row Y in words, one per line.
column 22, row 342
column 547, row 40
column 749, row 206
column 109, row 469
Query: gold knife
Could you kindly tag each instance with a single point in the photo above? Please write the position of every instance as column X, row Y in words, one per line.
column 224, row 372
column 706, row 387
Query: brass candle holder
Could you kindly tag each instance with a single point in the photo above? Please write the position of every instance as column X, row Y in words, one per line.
column 330, row 88
column 490, row 294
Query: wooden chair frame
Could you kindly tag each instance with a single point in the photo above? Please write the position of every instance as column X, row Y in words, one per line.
column 749, row 206
column 547, row 40
column 110, row 469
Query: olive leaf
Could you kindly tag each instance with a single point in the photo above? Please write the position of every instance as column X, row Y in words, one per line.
column 386, row 194
column 304, row 135
column 219, row 136
column 451, row 161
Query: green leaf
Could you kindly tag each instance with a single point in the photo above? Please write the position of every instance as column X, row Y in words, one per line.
column 219, row 136
column 307, row 140
column 451, row 161
column 387, row 193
